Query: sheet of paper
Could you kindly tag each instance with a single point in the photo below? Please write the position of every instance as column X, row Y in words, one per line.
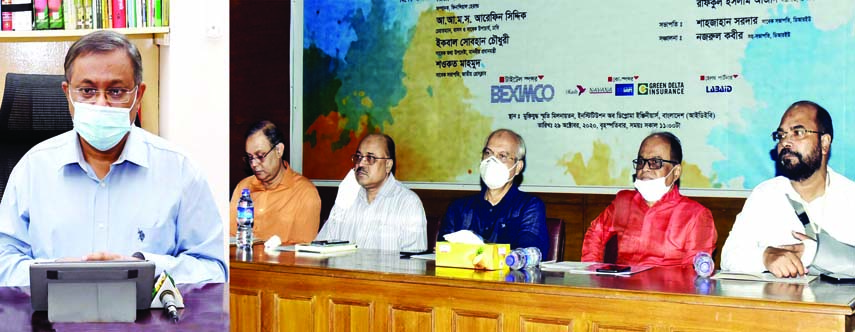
column 587, row 268
column 286, row 248
column 764, row 277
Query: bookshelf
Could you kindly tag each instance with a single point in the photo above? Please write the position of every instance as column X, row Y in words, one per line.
column 43, row 52
column 7, row 36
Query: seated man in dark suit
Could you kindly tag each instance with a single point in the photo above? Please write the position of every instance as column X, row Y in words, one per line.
column 501, row 213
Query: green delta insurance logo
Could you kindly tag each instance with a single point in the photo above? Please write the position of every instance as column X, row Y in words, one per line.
column 660, row 88
column 642, row 89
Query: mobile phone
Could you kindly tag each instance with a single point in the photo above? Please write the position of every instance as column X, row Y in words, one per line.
column 408, row 254
column 329, row 242
column 613, row 268
column 836, row 279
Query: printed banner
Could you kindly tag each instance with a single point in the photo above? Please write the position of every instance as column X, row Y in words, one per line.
column 582, row 81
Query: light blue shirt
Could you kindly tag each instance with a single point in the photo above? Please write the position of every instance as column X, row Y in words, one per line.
column 153, row 201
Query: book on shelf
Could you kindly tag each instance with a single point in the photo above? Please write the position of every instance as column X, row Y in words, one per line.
column 41, row 20
column 25, row 15
column 16, row 15
column 69, row 15
column 55, row 14
column 118, row 13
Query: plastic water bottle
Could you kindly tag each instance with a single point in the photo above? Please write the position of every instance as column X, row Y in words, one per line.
column 531, row 276
column 245, row 220
column 704, row 285
column 704, row 264
column 523, row 258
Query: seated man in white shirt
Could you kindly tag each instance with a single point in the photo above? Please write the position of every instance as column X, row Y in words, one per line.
column 379, row 212
column 800, row 221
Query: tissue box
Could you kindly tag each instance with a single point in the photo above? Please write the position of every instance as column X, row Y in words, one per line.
column 469, row 274
column 472, row 256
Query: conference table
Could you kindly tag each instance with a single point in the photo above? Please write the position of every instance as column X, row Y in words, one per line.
column 205, row 310
column 371, row 290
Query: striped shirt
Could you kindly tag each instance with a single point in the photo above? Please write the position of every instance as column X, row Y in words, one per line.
column 395, row 220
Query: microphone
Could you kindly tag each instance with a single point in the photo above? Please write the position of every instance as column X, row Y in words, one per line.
column 167, row 296
column 168, row 300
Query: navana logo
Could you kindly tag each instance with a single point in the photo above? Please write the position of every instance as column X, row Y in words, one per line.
column 521, row 93
column 624, row 89
column 601, row 90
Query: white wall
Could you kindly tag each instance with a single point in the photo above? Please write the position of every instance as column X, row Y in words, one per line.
column 194, row 89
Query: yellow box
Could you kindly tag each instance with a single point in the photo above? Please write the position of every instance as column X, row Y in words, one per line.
column 472, row 256
column 470, row 274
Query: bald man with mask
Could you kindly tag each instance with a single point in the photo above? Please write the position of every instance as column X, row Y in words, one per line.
column 501, row 213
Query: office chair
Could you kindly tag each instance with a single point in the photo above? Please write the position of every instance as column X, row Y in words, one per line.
column 33, row 109
column 555, row 228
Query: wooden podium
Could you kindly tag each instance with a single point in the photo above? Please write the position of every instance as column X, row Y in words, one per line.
column 378, row 291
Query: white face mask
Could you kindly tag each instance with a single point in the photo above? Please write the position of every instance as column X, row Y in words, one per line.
column 494, row 173
column 101, row 126
column 653, row 190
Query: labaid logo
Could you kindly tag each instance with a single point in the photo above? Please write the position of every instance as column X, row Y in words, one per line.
column 642, row 89
column 624, row 89
column 719, row 89
column 521, row 93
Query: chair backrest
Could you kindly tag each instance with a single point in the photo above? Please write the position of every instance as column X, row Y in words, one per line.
column 34, row 103
column 34, row 108
column 555, row 229
column 432, row 231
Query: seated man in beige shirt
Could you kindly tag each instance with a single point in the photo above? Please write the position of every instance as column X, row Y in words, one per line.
column 286, row 203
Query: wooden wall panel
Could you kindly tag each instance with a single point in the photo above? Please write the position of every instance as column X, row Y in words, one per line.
column 538, row 324
column 245, row 309
column 386, row 302
column 294, row 313
column 411, row 319
column 351, row 316
column 617, row 327
column 465, row 321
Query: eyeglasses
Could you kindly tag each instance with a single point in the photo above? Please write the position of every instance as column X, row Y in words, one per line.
column 652, row 163
column 798, row 134
column 369, row 159
column 113, row 95
column 504, row 157
column 250, row 158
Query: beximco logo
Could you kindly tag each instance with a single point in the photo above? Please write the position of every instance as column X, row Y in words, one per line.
column 521, row 93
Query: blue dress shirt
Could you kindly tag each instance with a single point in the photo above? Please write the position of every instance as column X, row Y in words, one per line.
column 153, row 201
column 519, row 219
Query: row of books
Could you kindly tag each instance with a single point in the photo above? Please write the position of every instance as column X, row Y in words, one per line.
column 24, row 15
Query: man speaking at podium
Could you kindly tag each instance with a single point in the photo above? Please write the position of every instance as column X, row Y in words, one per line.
column 108, row 190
